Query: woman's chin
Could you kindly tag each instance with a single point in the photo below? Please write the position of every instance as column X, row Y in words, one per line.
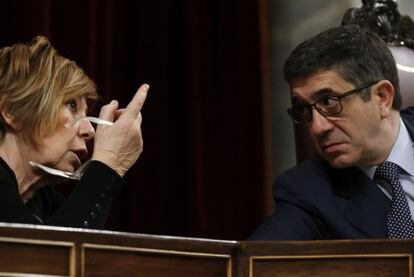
column 67, row 167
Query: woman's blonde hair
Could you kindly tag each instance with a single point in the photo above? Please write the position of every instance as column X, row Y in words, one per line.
column 34, row 83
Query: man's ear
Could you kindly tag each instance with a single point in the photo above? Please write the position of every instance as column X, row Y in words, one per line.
column 9, row 120
column 384, row 94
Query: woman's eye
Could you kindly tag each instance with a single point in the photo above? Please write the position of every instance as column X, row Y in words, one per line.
column 72, row 106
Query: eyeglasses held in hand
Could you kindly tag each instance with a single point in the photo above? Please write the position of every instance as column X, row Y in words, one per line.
column 96, row 120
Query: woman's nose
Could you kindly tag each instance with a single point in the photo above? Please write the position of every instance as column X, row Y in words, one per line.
column 86, row 130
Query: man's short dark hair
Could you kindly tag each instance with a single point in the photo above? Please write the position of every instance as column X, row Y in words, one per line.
column 360, row 56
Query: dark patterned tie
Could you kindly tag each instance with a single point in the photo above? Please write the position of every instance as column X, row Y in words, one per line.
column 399, row 222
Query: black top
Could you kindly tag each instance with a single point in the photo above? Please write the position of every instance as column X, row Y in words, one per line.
column 86, row 207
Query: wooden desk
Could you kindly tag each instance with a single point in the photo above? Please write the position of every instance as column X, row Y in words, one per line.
column 327, row 258
column 26, row 250
column 54, row 251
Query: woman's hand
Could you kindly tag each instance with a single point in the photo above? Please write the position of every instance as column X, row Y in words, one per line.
column 120, row 144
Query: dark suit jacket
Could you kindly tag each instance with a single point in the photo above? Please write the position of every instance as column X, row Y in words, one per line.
column 86, row 207
column 315, row 201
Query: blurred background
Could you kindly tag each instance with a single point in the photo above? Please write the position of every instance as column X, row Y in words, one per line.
column 215, row 126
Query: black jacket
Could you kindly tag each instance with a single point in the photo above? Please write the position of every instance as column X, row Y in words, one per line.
column 86, row 207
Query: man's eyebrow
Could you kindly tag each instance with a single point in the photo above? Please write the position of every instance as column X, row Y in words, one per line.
column 315, row 96
column 296, row 101
column 325, row 92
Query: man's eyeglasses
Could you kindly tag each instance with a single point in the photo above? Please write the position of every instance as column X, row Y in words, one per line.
column 327, row 106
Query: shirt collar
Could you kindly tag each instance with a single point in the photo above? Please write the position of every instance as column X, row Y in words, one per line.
column 402, row 153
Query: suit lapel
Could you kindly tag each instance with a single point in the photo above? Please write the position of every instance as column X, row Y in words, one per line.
column 367, row 206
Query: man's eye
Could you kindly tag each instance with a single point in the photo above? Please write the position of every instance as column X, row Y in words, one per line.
column 328, row 101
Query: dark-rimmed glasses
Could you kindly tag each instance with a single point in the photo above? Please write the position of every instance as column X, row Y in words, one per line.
column 327, row 106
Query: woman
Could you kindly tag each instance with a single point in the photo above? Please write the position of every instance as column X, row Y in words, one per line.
column 42, row 94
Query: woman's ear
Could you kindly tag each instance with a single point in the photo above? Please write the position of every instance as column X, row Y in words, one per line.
column 384, row 93
column 9, row 120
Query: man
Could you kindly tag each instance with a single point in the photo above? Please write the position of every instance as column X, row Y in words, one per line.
column 345, row 91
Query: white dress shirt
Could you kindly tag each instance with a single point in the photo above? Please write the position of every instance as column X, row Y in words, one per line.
column 402, row 154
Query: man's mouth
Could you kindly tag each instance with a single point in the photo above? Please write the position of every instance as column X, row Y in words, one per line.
column 332, row 147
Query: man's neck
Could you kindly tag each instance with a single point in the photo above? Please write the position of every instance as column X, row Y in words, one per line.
column 391, row 129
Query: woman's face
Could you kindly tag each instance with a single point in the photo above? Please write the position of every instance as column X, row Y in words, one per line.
column 65, row 148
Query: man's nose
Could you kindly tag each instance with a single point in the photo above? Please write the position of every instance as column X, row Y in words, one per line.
column 86, row 130
column 320, row 124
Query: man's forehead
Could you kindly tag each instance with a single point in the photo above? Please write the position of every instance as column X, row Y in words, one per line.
column 318, row 84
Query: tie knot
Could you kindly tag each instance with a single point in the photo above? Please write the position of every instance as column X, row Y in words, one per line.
column 388, row 171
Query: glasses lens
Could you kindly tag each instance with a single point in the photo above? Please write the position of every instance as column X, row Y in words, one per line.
column 329, row 105
column 300, row 114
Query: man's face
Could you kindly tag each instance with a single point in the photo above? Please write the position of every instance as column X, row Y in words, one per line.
column 349, row 138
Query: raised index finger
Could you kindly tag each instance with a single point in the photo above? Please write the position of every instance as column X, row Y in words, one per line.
column 135, row 106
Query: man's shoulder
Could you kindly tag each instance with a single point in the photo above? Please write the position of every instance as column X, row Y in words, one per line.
column 407, row 116
column 408, row 112
column 316, row 176
column 312, row 167
column 306, row 176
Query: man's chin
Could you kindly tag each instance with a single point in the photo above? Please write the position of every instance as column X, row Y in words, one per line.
column 339, row 163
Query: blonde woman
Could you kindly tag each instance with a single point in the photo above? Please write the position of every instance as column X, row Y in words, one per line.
column 43, row 125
